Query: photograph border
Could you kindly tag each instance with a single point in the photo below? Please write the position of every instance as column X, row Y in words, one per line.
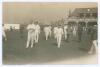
column 1, row 11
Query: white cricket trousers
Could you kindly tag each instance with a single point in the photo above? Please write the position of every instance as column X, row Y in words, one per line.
column 59, row 40
column 36, row 37
column 30, row 39
column 46, row 35
column 94, row 46
column 74, row 32
column 4, row 35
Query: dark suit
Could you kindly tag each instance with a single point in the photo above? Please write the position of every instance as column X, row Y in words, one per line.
column 79, row 31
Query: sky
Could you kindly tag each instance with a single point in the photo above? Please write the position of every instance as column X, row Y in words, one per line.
column 23, row 12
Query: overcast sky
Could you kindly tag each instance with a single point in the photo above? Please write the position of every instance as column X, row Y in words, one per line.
column 44, row 12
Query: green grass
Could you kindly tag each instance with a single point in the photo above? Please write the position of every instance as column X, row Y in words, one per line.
column 14, row 51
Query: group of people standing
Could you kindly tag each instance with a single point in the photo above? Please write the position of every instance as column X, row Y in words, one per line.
column 33, row 33
column 59, row 31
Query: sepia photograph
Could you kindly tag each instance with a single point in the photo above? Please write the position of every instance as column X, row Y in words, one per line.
column 49, row 33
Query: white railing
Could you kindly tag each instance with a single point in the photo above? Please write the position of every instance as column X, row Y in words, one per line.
column 84, row 20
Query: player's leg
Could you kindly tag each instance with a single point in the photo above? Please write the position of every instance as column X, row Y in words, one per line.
column 4, row 36
column 95, row 46
column 47, row 34
column 28, row 40
column 32, row 40
column 91, row 50
column 59, row 41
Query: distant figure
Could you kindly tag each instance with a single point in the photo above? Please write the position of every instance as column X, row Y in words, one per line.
column 11, row 29
column 65, row 31
column 93, row 36
column 3, row 33
column 55, row 31
column 47, row 31
column 89, row 29
column 69, row 32
column 14, row 28
column 21, row 31
column 59, row 35
column 37, row 32
column 84, row 28
column 79, row 31
column 31, row 34
column 74, row 31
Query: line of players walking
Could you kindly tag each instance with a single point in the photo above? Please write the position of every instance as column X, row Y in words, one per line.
column 34, row 31
column 59, row 31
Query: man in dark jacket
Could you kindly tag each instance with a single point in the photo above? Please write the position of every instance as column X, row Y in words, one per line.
column 79, row 32
column 69, row 31
column 93, row 40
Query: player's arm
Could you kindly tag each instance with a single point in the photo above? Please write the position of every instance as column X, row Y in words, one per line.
column 29, row 28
